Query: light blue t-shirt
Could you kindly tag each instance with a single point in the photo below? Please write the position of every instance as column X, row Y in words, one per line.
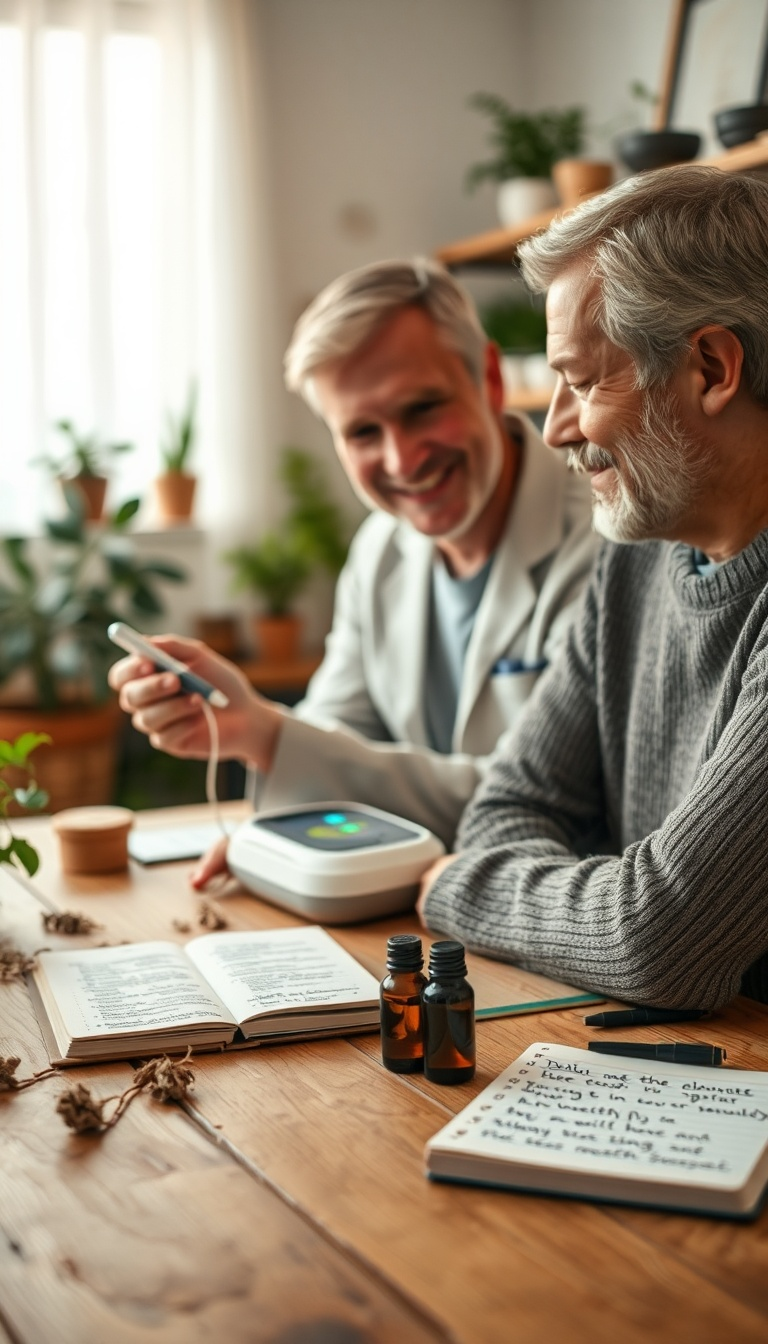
column 452, row 609
column 703, row 564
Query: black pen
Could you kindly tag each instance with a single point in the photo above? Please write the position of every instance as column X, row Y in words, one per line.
column 632, row 1017
column 680, row 1053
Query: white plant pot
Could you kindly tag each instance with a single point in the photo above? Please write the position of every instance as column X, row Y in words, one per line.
column 513, row 372
column 539, row 377
column 520, row 197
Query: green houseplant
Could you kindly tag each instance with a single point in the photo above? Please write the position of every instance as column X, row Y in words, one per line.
column 56, row 601
column 19, row 791
column 175, row 486
column 278, row 566
column 525, row 148
column 314, row 515
column 85, row 461
column 515, row 326
column 525, row 144
column 519, row 328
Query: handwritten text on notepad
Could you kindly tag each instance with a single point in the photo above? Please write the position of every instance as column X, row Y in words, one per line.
column 623, row 1113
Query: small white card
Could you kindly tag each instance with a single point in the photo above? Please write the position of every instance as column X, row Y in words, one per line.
column 166, row 844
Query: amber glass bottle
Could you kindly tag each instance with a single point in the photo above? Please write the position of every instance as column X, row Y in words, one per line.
column 448, row 1001
column 402, row 1038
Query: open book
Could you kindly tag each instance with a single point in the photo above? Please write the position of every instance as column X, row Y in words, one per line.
column 561, row 1121
column 223, row 989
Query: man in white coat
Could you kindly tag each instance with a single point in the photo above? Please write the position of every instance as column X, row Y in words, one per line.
column 458, row 587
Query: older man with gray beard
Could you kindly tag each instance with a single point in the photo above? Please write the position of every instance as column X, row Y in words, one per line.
column 619, row 840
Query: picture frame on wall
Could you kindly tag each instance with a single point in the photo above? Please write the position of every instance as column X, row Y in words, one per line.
column 716, row 59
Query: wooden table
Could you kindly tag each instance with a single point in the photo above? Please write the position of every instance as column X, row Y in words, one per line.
column 289, row 1205
column 290, row 677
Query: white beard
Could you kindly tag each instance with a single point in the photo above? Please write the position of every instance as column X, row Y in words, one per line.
column 663, row 471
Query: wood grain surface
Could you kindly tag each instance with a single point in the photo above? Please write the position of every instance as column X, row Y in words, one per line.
column 288, row 1202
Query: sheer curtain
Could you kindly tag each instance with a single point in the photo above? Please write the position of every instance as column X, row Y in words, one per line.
column 134, row 243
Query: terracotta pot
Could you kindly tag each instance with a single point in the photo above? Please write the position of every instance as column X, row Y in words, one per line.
column 277, row 637
column 79, row 768
column 576, row 178
column 220, row 633
column 93, row 490
column 175, row 496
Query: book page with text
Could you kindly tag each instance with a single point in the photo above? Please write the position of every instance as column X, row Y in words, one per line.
column 277, row 971
column 109, row 992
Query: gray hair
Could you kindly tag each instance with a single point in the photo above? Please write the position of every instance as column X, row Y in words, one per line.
column 673, row 250
column 348, row 312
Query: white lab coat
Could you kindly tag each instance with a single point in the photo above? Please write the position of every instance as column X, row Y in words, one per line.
column 360, row 734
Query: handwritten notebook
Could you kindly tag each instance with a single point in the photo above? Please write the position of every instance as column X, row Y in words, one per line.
column 559, row 1121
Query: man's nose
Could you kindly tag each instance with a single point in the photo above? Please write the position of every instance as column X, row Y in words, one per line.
column 561, row 427
column 401, row 452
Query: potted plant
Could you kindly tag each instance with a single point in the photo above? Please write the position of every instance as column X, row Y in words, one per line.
column 641, row 149
column 275, row 568
column 526, row 148
column 278, row 566
column 56, row 601
column 85, row 464
column 737, row 125
column 520, row 331
column 19, row 792
column 314, row 514
column 175, row 486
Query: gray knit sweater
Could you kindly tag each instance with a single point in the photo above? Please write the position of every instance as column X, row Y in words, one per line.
column 619, row 841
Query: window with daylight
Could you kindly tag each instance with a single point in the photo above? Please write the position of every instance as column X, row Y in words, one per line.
column 133, row 255
column 80, row 246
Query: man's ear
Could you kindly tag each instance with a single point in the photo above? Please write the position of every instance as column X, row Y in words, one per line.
column 717, row 359
column 493, row 379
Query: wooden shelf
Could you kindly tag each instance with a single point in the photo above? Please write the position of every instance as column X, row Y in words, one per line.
column 291, row 675
column 499, row 246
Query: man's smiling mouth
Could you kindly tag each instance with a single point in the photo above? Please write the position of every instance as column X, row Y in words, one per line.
column 426, row 484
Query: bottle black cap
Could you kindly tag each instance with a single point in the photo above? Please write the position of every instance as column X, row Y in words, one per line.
column 447, row 958
column 404, row 952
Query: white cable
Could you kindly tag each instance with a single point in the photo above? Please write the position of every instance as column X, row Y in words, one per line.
column 212, row 767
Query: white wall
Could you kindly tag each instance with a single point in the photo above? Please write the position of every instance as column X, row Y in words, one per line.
column 587, row 52
column 369, row 134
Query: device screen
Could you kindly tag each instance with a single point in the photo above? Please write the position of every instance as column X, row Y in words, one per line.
column 338, row 830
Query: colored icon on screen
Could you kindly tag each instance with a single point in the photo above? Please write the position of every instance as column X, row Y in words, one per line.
column 334, row 818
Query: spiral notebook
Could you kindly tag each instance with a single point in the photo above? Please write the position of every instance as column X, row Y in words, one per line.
column 560, row 1121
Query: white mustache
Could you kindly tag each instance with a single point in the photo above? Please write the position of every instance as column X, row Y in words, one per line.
column 589, row 458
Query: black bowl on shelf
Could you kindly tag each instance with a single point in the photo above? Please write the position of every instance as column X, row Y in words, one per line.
column 641, row 150
column 737, row 125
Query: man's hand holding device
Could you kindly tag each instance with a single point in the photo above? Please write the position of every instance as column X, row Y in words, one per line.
column 129, row 639
column 335, row 861
column 152, row 683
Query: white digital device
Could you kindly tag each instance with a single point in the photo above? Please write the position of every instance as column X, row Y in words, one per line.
column 335, row 862
column 129, row 639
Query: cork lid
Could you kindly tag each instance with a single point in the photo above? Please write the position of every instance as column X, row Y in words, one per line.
column 93, row 839
column 92, row 821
